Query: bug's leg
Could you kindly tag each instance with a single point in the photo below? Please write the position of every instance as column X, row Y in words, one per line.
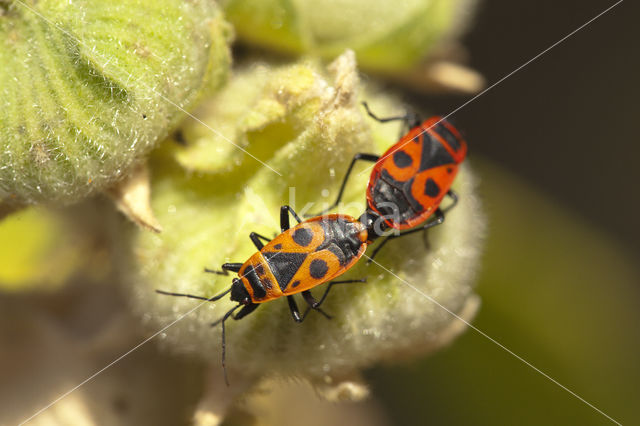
column 454, row 201
column 324, row 296
column 386, row 119
column 226, row 267
column 234, row 267
column 410, row 119
column 224, row 346
column 313, row 304
column 255, row 237
column 332, row 283
column 191, row 296
column 308, row 297
column 437, row 220
column 359, row 156
column 293, row 307
column 425, row 240
column 246, row 311
column 284, row 217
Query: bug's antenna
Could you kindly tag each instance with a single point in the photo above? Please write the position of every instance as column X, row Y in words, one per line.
column 213, row 324
column 191, row 296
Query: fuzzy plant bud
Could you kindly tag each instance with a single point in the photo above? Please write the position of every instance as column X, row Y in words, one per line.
column 88, row 87
column 387, row 36
column 285, row 135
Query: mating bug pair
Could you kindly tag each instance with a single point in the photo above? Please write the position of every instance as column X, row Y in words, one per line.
column 406, row 187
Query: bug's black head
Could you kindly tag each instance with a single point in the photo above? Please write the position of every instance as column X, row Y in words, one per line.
column 368, row 218
column 375, row 224
column 239, row 293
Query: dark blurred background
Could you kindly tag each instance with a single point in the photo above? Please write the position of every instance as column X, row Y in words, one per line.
column 567, row 122
column 556, row 150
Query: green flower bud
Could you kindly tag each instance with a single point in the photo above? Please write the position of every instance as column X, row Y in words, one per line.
column 386, row 36
column 88, row 88
column 305, row 124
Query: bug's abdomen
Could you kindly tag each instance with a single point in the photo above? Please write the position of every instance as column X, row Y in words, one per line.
column 314, row 252
column 343, row 244
column 411, row 178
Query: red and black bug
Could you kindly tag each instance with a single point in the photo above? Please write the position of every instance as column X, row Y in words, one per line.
column 409, row 181
column 406, row 187
column 302, row 257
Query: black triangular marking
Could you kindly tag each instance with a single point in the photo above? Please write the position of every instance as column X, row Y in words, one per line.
column 284, row 265
column 433, row 154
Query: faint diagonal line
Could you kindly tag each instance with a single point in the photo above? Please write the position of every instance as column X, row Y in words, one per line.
column 115, row 361
column 121, row 357
column 146, row 86
column 508, row 75
column 88, row 379
column 219, row 134
column 500, row 345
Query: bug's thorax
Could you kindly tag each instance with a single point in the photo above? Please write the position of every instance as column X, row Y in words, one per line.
column 258, row 279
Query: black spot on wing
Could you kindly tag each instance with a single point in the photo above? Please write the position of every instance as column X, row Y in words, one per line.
column 431, row 188
column 278, row 246
column 284, row 265
column 318, row 268
column 267, row 283
column 302, row 236
column 295, row 284
column 401, row 159
column 434, row 154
